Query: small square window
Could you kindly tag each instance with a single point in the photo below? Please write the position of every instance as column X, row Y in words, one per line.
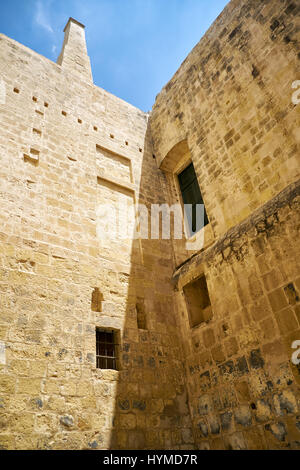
column 106, row 349
column 198, row 302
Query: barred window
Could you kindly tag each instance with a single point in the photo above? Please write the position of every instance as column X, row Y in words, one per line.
column 106, row 349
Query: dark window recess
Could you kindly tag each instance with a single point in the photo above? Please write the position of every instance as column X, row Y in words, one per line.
column 191, row 194
column 106, row 356
column 198, row 302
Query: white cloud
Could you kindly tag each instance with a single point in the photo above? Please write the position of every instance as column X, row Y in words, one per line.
column 41, row 17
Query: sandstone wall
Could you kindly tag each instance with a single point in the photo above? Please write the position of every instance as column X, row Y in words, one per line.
column 229, row 110
column 66, row 147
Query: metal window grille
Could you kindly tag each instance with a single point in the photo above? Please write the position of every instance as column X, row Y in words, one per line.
column 106, row 357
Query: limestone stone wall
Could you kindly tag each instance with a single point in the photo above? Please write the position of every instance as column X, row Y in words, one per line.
column 229, row 110
column 66, row 147
column 243, row 387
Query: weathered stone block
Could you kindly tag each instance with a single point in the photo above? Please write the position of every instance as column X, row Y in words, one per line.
column 235, row 441
column 286, row 321
column 29, row 386
column 204, row 405
column 67, row 421
column 7, row 384
column 226, row 421
column 208, row 338
column 278, row 430
column 175, row 387
column 255, row 359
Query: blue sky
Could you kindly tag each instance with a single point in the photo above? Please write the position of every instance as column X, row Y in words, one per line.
column 135, row 46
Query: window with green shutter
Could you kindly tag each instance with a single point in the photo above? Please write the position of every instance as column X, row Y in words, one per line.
column 191, row 194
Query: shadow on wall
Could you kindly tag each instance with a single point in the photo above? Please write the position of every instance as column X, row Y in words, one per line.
column 151, row 409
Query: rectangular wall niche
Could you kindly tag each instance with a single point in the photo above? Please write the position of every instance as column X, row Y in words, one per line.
column 106, row 349
column 113, row 165
column 97, row 297
column 198, row 302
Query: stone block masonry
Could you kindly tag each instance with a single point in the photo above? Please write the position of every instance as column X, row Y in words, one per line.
column 223, row 381
column 229, row 110
column 244, row 385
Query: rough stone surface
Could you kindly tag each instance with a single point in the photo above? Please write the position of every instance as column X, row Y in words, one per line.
column 67, row 147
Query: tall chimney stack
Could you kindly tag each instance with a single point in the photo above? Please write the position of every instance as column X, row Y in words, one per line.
column 74, row 56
